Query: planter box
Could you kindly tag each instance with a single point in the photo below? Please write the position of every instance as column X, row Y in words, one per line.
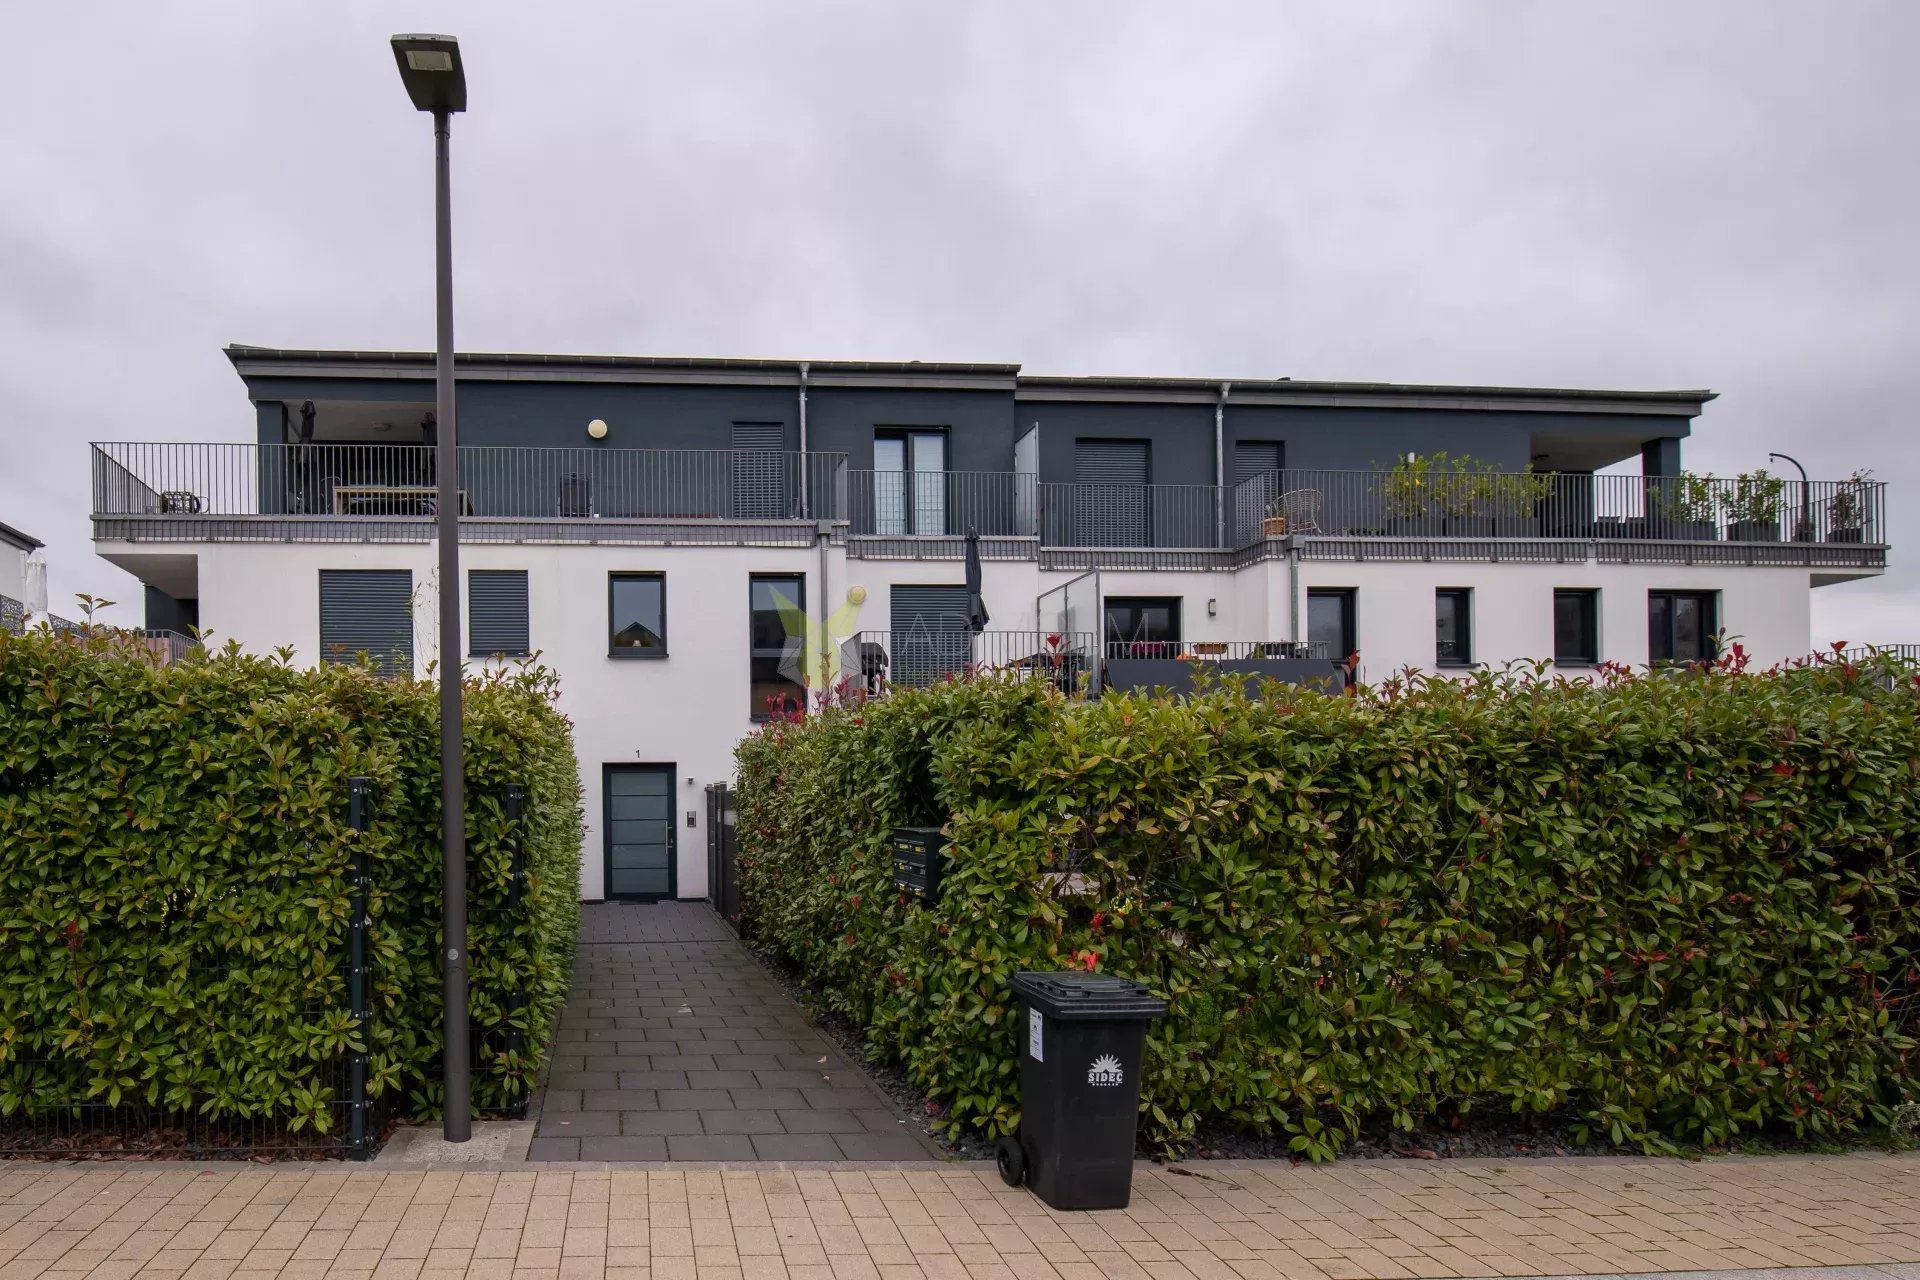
column 1754, row 531
column 1855, row 534
column 1274, row 527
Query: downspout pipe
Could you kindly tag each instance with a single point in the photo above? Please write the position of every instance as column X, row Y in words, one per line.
column 823, row 533
column 806, row 466
column 1220, row 464
column 1293, row 597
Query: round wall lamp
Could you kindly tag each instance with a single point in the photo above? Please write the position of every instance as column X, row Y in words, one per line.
column 597, row 429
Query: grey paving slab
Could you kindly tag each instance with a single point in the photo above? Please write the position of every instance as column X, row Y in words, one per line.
column 674, row 1044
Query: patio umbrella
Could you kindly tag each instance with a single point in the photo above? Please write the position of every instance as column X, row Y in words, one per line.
column 977, row 618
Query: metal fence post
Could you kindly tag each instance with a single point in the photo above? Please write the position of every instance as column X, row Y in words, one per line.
column 516, row 881
column 358, row 816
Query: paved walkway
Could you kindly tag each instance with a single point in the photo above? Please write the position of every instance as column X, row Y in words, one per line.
column 676, row 1045
column 1221, row 1221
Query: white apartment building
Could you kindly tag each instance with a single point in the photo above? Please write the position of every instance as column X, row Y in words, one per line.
column 23, row 578
column 638, row 521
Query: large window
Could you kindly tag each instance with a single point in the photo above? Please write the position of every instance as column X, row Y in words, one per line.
column 773, row 600
column 1453, row 627
column 637, row 615
column 1330, row 622
column 1143, row 626
column 909, row 482
column 1576, row 627
column 1681, row 626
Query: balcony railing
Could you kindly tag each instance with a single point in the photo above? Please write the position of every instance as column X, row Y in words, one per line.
column 942, row 503
column 662, row 485
column 918, row 656
column 1475, row 504
column 140, row 479
column 1130, row 515
column 1216, row 650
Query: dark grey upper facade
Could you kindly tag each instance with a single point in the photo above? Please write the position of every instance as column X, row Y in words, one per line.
column 981, row 410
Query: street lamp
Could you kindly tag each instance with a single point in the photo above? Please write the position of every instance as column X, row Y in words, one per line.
column 1805, row 528
column 430, row 68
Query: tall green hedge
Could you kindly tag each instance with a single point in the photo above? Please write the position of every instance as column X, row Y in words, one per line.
column 174, row 879
column 1673, row 909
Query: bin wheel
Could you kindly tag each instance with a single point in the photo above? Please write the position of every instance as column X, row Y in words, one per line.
column 1012, row 1161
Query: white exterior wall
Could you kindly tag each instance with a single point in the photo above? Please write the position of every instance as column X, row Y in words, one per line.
column 1765, row 609
column 689, row 709
column 13, row 572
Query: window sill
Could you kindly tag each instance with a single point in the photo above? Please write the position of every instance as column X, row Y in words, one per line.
column 1456, row 666
column 638, row 657
column 490, row 654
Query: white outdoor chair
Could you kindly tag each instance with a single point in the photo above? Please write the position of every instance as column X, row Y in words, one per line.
column 1301, row 510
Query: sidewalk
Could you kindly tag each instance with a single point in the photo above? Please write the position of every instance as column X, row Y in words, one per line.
column 1225, row 1220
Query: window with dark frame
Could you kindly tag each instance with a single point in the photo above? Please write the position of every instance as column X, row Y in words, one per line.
column 1576, row 627
column 909, row 481
column 498, row 620
column 636, row 615
column 769, row 595
column 1681, row 626
column 1331, row 622
column 1143, row 626
column 1453, row 627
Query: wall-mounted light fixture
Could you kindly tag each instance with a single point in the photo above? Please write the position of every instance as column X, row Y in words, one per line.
column 1213, row 608
column 597, row 429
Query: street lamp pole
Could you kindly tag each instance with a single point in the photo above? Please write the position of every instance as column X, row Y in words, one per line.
column 431, row 70
column 1806, row 497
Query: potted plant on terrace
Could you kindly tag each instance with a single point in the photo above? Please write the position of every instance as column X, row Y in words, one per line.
column 1459, row 497
column 1690, row 505
column 1846, row 510
column 1407, row 493
column 1753, row 507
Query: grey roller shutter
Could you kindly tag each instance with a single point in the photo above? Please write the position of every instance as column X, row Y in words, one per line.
column 1257, row 465
column 1111, row 501
column 761, row 487
column 367, row 611
column 497, row 614
column 930, row 637
column 1257, row 458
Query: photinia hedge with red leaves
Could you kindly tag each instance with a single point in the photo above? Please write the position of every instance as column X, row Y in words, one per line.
column 1667, row 908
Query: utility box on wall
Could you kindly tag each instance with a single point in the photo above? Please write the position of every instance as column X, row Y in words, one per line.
column 919, row 859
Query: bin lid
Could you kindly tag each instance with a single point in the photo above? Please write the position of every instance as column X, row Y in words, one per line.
column 1079, row 996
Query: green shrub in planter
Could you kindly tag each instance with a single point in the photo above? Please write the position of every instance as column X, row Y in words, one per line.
column 1670, row 910
column 174, row 860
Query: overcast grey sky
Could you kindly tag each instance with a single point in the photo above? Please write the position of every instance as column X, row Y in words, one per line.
column 1640, row 195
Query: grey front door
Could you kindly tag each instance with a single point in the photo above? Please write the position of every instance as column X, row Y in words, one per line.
column 640, row 835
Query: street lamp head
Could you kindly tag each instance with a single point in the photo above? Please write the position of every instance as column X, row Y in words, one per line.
column 430, row 68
